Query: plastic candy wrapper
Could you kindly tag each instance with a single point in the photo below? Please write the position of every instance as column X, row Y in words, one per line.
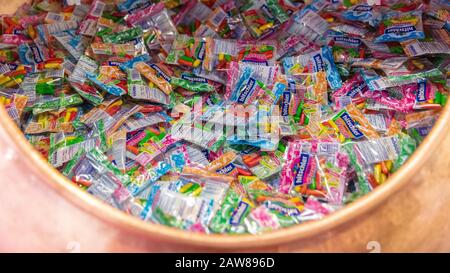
column 140, row 90
column 159, row 30
column 89, row 24
column 157, row 74
column 198, row 135
column 32, row 54
column 376, row 82
column 14, row 103
column 352, row 91
column 439, row 9
column 198, row 192
column 263, row 165
column 257, row 52
column 401, row 99
column 350, row 123
column 299, row 168
column 299, row 34
column 314, row 87
column 94, row 171
column 374, row 160
column 363, row 13
column 78, row 80
column 321, row 60
column 110, row 49
column 191, row 16
column 248, row 89
column 398, row 27
column 256, row 77
column 384, row 50
column 226, row 116
column 308, row 24
column 346, row 49
column 49, row 122
column 229, row 217
column 123, row 36
column 113, row 86
column 410, row 66
column 416, row 48
column 224, row 52
column 45, row 104
column 187, row 51
column 224, row 22
column 263, row 17
column 419, row 125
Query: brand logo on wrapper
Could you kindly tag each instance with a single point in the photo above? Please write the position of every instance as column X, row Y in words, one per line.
column 318, row 63
column 194, row 79
column 285, row 104
column 227, row 169
column 161, row 72
column 113, row 63
column 400, row 29
column 348, row 40
column 422, row 91
column 351, row 125
column 283, row 210
column 256, row 62
column 361, row 8
column 139, row 7
column 359, row 88
column 300, row 169
column 238, row 213
column 424, row 131
column 292, row 86
column 18, row 32
column 12, row 66
column 37, row 54
column 201, row 51
column 247, row 90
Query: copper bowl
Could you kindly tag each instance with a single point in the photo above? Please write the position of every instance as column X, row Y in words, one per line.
column 43, row 211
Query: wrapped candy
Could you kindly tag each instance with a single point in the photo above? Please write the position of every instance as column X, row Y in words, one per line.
column 226, row 116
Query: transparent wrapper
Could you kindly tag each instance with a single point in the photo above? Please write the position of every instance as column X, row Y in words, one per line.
column 159, row 30
column 263, row 17
column 321, row 60
column 398, row 27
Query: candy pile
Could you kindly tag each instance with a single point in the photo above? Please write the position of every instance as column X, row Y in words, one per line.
column 226, row 116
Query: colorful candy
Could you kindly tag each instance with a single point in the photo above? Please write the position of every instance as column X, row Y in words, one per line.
column 226, row 116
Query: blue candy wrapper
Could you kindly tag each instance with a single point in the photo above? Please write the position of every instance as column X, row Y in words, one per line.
column 320, row 60
column 400, row 26
column 363, row 13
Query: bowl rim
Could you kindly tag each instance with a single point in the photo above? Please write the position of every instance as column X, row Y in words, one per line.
column 118, row 219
